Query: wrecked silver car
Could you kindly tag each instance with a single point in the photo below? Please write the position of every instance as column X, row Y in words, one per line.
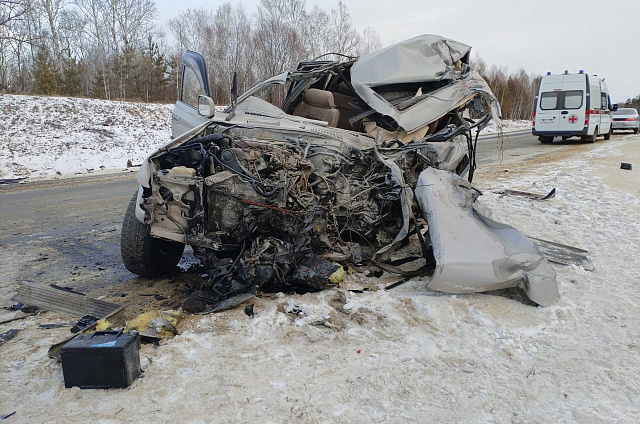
column 363, row 157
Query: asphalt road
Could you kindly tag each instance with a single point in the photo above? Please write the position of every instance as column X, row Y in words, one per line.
column 517, row 146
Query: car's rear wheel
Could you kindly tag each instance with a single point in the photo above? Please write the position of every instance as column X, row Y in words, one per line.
column 545, row 140
column 607, row 136
column 590, row 138
column 142, row 254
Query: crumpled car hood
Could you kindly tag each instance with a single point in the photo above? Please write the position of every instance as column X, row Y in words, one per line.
column 425, row 58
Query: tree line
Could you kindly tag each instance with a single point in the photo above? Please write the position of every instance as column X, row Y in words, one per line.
column 516, row 91
column 115, row 49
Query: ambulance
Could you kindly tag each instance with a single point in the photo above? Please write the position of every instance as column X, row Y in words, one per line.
column 572, row 105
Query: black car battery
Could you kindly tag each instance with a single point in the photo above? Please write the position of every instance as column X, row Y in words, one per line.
column 102, row 360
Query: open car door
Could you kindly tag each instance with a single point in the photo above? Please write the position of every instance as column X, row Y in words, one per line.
column 194, row 83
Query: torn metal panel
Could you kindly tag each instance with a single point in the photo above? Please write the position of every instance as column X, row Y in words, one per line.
column 532, row 196
column 56, row 300
column 474, row 253
column 563, row 254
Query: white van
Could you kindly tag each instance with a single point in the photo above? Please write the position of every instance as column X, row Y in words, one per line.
column 569, row 105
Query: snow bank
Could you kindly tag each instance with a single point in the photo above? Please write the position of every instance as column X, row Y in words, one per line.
column 43, row 136
column 508, row 125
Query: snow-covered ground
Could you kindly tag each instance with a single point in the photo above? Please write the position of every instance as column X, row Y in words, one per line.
column 508, row 125
column 404, row 355
column 45, row 136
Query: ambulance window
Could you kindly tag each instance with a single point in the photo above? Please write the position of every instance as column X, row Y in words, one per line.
column 573, row 99
column 603, row 96
column 549, row 100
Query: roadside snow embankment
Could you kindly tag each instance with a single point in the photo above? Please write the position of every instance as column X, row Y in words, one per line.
column 508, row 125
column 44, row 136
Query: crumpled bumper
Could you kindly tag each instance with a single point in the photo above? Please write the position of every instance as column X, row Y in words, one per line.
column 474, row 253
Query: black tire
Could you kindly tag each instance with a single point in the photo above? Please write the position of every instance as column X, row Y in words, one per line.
column 142, row 254
column 635, row 130
column 545, row 140
column 607, row 136
column 590, row 138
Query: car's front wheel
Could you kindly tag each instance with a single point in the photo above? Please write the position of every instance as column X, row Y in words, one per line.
column 142, row 254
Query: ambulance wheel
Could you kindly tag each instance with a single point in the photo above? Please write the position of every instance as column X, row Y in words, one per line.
column 607, row 136
column 591, row 138
column 545, row 140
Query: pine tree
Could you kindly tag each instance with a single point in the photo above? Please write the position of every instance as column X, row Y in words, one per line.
column 45, row 74
column 71, row 81
column 153, row 78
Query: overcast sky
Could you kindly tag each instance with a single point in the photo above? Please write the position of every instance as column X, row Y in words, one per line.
column 601, row 37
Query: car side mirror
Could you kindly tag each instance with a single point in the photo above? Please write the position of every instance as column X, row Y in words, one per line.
column 206, row 106
column 615, row 107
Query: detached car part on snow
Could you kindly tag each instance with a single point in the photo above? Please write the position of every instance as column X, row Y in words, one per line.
column 362, row 156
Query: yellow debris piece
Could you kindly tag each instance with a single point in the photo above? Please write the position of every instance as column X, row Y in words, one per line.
column 161, row 324
column 102, row 325
column 338, row 275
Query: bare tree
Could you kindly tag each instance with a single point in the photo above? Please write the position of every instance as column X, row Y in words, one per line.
column 16, row 37
column 278, row 33
column 233, row 51
column 316, row 23
column 190, row 28
column 369, row 41
column 344, row 37
column 134, row 18
column 51, row 10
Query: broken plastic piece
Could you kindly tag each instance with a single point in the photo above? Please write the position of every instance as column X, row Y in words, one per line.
column 83, row 323
column 563, row 254
column 8, row 335
column 338, row 275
